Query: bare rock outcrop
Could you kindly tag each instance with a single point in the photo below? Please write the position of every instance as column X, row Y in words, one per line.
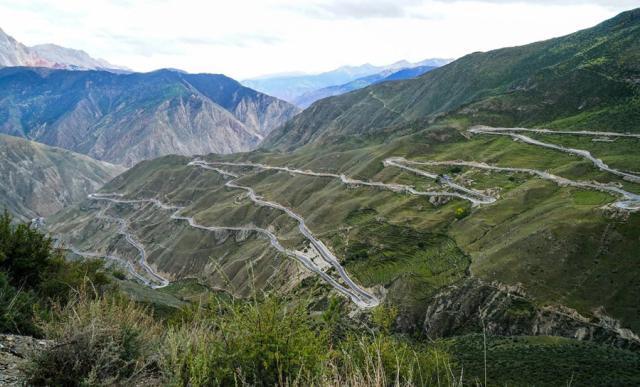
column 507, row 311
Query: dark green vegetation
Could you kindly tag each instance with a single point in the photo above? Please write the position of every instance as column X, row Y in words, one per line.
column 413, row 265
column 38, row 180
column 543, row 361
column 586, row 80
column 125, row 118
column 213, row 339
column 108, row 338
column 33, row 275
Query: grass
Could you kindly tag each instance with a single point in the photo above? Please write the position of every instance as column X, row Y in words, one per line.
column 268, row 340
column 380, row 253
column 543, row 361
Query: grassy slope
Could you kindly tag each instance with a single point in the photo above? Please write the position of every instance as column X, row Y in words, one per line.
column 545, row 361
column 557, row 241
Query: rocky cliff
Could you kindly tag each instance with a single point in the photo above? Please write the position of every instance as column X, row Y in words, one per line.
column 500, row 310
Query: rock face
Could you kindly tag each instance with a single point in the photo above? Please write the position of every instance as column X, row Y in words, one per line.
column 14, row 352
column 126, row 118
column 506, row 311
column 14, row 53
column 37, row 180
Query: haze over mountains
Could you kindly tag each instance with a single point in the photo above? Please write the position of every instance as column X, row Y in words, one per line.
column 14, row 53
column 293, row 88
column 306, row 99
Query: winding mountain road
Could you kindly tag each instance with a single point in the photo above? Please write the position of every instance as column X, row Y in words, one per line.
column 631, row 200
column 578, row 152
column 473, row 196
column 359, row 296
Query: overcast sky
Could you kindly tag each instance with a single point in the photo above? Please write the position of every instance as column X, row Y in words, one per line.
column 246, row 38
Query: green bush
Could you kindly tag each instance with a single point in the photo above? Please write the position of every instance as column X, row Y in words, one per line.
column 267, row 342
column 16, row 308
column 274, row 342
column 26, row 255
column 33, row 275
column 461, row 212
column 98, row 341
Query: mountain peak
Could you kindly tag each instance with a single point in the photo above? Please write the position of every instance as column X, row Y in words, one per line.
column 14, row 53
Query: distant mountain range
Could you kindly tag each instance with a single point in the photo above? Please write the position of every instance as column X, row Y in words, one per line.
column 14, row 53
column 307, row 99
column 38, row 180
column 293, row 87
column 125, row 118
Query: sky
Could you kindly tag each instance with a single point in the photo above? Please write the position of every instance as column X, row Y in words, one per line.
column 248, row 38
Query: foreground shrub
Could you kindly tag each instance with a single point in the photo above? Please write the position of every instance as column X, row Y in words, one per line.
column 16, row 308
column 99, row 341
column 33, row 275
column 273, row 342
column 229, row 343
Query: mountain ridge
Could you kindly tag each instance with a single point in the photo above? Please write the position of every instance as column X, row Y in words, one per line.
column 500, row 82
column 39, row 180
column 291, row 87
column 307, row 99
column 124, row 118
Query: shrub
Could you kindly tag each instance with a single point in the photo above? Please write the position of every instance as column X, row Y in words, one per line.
column 461, row 212
column 455, row 169
column 99, row 341
column 16, row 308
column 25, row 254
column 384, row 317
column 273, row 342
column 34, row 274
column 267, row 343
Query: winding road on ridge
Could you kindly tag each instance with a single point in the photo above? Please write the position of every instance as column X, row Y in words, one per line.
column 630, row 201
column 578, row 152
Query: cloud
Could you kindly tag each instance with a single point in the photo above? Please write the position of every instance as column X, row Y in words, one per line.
column 232, row 40
column 612, row 4
column 140, row 46
column 359, row 9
